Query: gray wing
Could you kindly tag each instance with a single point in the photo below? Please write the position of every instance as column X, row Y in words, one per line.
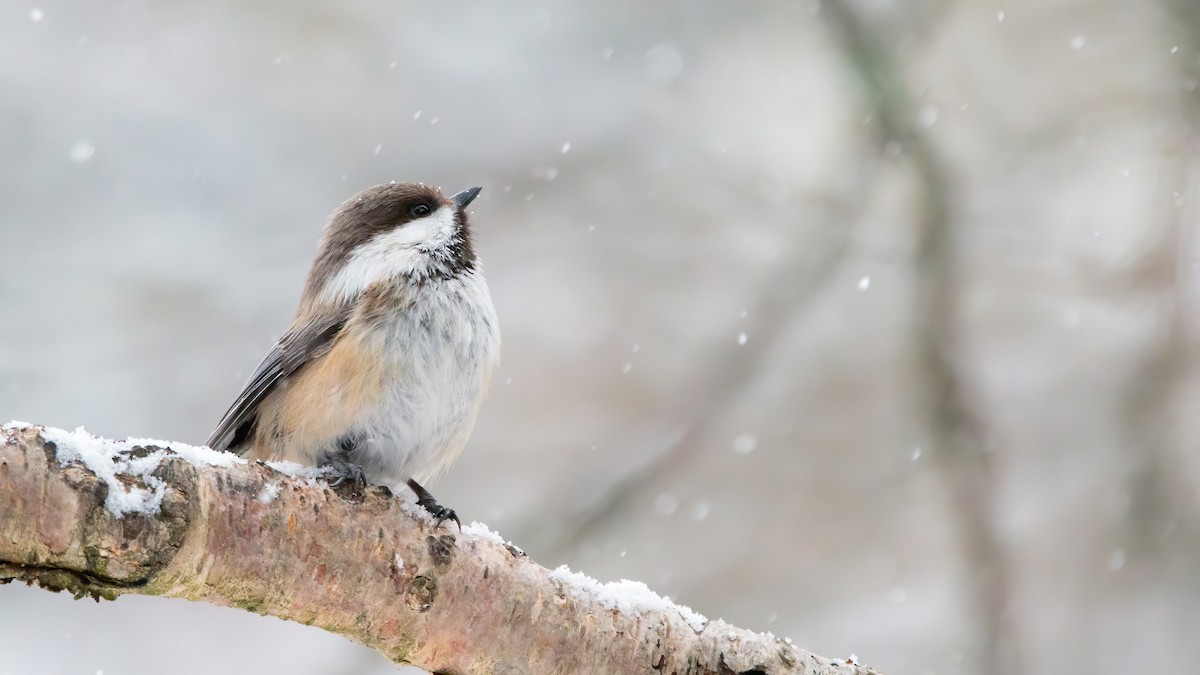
column 297, row 347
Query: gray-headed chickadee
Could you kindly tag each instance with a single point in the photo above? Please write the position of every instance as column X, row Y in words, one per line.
column 383, row 370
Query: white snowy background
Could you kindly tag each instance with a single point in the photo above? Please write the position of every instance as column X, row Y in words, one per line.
column 707, row 269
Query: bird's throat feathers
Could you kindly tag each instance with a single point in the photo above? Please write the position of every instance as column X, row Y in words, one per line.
column 434, row 248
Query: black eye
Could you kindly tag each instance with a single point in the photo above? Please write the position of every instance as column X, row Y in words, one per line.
column 420, row 210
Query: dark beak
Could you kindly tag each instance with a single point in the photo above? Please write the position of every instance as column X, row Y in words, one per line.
column 466, row 197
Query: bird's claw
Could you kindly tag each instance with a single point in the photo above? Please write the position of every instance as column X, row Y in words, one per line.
column 440, row 513
column 426, row 501
column 346, row 471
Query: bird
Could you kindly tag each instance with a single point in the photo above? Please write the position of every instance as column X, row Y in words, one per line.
column 381, row 375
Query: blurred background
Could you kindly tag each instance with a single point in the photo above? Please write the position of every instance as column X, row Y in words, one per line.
column 867, row 323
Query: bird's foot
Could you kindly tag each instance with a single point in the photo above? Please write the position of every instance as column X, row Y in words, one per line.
column 425, row 500
column 345, row 471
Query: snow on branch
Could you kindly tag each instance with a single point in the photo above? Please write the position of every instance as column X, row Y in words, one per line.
column 106, row 518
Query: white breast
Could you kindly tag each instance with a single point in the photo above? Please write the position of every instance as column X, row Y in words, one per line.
column 442, row 352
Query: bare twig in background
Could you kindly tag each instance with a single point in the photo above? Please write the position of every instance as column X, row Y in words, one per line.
column 1162, row 369
column 958, row 443
column 244, row 535
column 1156, row 502
column 778, row 304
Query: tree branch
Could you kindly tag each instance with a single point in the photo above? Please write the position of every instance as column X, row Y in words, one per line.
column 957, row 438
column 103, row 519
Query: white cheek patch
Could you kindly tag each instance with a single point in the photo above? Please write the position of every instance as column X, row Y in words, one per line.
column 403, row 251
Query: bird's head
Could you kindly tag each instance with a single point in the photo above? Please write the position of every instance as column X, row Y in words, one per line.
column 408, row 230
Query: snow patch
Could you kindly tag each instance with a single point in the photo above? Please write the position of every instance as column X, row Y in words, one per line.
column 482, row 531
column 130, row 458
column 194, row 454
column 627, row 596
column 268, row 494
column 108, row 459
column 296, row 470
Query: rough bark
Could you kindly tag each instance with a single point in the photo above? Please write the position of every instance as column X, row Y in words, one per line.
column 367, row 568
